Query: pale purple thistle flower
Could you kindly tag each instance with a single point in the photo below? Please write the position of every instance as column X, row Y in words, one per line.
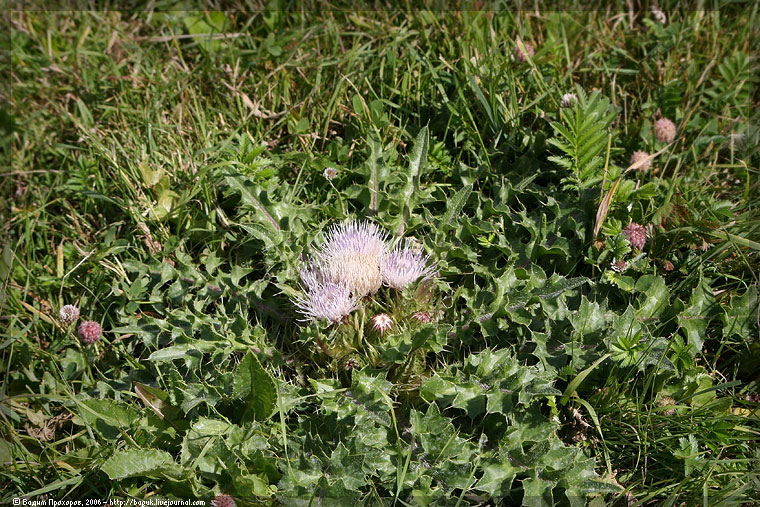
column 351, row 254
column 405, row 264
column 68, row 314
column 323, row 298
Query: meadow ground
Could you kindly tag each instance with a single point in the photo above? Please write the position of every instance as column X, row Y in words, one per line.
column 585, row 184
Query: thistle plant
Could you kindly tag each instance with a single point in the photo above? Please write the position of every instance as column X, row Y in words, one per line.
column 349, row 266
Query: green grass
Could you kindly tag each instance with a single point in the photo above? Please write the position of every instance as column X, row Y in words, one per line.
column 167, row 174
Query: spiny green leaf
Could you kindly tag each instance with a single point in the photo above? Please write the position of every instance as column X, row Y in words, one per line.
column 141, row 463
column 256, row 386
column 455, row 206
column 108, row 416
column 417, row 161
column 694, row 319
column 656, row 298
column 237, row 183
column 741, row 316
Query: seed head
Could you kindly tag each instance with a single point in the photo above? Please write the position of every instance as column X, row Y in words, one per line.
column 665, row 130
column 323, row 298
column 569, row 99
column 637, row 157
column 330, row 173
column 405, row 264
column 68, row 314
column 636, row 234
column 382, row 322
column 520, row 56
column 223, row 501
column 89, row 331
column 351, row 254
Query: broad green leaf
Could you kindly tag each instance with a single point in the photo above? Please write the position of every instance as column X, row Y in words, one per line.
column 521, row 298
column 497, row 478
column 537, row 492
column 742, row 316
column 454, row 207
column 141, row 463
column 255, row 386
column 588, row 319
column 107, row 416
column 656, row 296
column 694, row 319
column 247, row 484
column 236, row 182
column 191, row 351
column 205, row 449
column 417, row 161
column 347, row 467
column 366, row 404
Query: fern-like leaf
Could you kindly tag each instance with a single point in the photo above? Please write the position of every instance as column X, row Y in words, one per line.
column 581, row 137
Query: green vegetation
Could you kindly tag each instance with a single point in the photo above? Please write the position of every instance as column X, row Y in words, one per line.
column 169, row 169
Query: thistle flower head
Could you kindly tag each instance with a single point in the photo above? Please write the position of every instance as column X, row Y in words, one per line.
column 665, row 130
column 520, row 56
column 223, row 501
column 351, row 254
column 641, row 156
column 423, row 317
column 636, row 235
column 323, row 298
column 68, row 314
column 569, row 99
column 405, row 264
column 89, row 331
column 382, row 322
